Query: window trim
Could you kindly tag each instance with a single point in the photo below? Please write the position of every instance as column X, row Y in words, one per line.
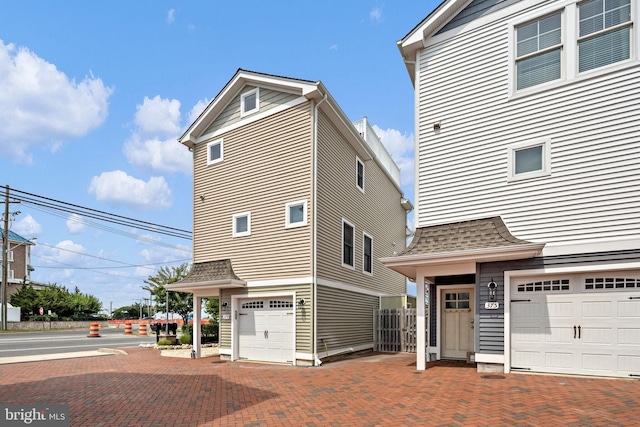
column 219, row 141
column 287, row 214
column 546, row 159
column 234, row 232
column 366, row 235
column 353, row 245
column 360, row 162
column 248, row 93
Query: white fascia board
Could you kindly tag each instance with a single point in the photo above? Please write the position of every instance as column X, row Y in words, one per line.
column 438, row 18
column 503, row 253
column 242, row 78
column 199, row 287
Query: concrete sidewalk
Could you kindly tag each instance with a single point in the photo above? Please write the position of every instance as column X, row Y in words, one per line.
column 144, row 389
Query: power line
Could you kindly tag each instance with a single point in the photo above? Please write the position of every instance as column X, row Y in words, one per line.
column 46, row 202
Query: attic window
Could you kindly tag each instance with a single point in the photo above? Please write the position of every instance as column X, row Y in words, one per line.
column 215, row 152
column 249, row 102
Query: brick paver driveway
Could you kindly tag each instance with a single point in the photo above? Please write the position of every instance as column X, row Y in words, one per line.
column 145, row 389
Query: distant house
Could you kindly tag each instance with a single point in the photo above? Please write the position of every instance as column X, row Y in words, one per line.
column 293, row 207
column 527, row 244
column 19, row 262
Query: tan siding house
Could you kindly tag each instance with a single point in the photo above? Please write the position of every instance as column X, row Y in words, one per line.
column 278, row 168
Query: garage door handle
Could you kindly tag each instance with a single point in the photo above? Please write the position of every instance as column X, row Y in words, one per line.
column 574, row 332
column 579, row 331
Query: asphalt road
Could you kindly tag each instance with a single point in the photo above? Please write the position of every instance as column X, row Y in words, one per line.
column 39, row 343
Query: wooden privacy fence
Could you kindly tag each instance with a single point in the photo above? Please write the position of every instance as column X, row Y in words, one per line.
column 395, row 330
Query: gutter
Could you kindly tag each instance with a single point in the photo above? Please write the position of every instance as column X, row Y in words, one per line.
column 316, row 360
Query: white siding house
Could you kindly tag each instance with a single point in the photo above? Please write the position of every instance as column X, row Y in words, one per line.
column 527, row 114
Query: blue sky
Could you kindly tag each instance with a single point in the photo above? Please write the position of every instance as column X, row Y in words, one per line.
column 93, row 96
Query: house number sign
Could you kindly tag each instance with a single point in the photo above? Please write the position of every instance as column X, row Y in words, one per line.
column 492, row 305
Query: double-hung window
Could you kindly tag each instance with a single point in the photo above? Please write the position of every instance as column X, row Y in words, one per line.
column 539, row 51
column 347, row 244
column 605, row 33
column 367, row 248
column 359, row 174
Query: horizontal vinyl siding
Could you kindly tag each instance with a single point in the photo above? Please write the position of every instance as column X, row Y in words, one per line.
column 592, row 125
column 377, row 212
column 266, row 164
column 345, row 319
column 231, row 114
column 491, row 322
column 304, row 318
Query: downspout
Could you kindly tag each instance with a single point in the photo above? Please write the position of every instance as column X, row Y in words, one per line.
column 316, row 361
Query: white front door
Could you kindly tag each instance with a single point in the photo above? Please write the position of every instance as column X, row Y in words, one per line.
column 266, row 329
column 575, row 325
column 457, row 322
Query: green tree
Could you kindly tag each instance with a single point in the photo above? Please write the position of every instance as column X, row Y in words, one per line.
column 130, row 312
column 212, row 308
column 27, row 299
column 180, row 303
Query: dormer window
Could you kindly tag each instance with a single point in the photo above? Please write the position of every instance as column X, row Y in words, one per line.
column 249, row 102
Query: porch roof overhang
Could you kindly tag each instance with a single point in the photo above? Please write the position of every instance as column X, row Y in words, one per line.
column 461, row 243
column 207, row 278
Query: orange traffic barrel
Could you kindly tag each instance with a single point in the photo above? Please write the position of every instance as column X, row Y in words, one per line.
column 128, row 329
column 94, row 330
column 143, row 330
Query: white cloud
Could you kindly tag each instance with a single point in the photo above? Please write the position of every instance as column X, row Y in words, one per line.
column 158, row 115
column 64, row 254
column 376, row 14
column 153, row 144
column 27, row 227
column 400, row 147
column 41, row 107
column 197, row 110
column 333, row 47
column 75, row 224
column 171, row 16
column 118, row 188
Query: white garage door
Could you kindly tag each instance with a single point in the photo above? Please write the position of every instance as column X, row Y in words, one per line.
column 265, row 330
column 580, row 324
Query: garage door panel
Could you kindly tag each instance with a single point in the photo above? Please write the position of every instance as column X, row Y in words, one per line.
column 629, row 309
column 560, row 310
column 560, row 335
column 596, row 309
column 527, row 359
column 629, row 364
column 599, row 362
column 597, row 336
column 559, row 360
column 527, row 335
column 629, row 337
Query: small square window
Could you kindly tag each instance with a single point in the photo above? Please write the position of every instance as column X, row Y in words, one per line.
column 215, row 152
column 360, row 174
column 347, row 244
column 242, row 224
column 296, row 214
column 249, row 102
column 529, row 160
column 367, row 250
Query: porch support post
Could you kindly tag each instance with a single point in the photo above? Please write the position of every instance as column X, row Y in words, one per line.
column 421, row 324
column 197, row 331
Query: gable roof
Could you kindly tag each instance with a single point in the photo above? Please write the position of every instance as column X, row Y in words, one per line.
column 478, row 240
column 447, row 15
column 312, row 91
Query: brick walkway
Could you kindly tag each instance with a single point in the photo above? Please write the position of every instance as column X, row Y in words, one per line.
column 145, row 389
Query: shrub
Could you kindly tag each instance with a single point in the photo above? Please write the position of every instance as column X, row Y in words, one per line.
column 185, row 339
column 164, row 342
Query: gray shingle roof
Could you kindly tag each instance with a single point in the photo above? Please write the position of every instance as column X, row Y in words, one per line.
column 210, row 271
column 462, row 236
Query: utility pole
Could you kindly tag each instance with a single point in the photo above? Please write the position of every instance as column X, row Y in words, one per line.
column 5, row 259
